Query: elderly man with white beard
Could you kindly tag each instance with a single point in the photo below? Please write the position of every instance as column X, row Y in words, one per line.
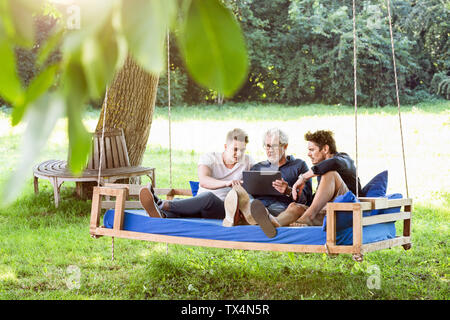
column 237, row 202
column 275, row 143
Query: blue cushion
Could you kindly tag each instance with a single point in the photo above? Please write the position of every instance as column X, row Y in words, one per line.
column 194, row 187
column 139, row 221
column 344, row 219
column 377, row 186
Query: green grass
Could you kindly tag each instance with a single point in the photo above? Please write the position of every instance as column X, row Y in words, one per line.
column 38, row 243
column 257, row 112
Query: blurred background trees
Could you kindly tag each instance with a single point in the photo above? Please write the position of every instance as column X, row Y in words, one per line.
column 300, row 52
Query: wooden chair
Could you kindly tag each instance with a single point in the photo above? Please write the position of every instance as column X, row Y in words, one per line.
column 115, row 165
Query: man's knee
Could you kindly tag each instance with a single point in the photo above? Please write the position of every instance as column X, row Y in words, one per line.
column 332, row 177
column 296, row 205
column 210, row 199
column 297, row 208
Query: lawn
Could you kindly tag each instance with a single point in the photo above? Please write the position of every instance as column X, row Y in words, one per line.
column 47, row 253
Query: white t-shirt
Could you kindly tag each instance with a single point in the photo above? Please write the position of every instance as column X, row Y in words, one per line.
column 219, row 171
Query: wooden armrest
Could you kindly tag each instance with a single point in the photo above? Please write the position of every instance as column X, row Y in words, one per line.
column 359, row 221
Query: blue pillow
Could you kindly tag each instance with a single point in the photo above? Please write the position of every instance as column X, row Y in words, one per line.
column 344, row 219
column 377, row 186
column 194, row 187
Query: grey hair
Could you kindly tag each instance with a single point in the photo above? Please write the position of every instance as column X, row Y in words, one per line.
column 275, row 132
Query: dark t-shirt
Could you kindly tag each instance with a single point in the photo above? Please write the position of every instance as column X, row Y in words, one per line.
column 289, row 172
column 344, row 165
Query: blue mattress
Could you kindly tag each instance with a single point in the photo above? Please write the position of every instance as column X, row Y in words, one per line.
column 139, row 221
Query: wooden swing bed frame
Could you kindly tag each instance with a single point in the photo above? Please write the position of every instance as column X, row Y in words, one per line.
column 121, row 192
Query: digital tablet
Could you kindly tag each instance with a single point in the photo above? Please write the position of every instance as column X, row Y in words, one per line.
column 259, row 183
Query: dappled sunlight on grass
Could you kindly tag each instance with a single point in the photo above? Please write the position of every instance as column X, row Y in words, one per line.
column 7, row 274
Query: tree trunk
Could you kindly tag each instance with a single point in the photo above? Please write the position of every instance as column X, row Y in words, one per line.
column 130, row 106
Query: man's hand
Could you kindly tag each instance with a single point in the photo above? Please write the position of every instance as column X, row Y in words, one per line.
column 280, row 185
column 232, row 183
column 297, row 188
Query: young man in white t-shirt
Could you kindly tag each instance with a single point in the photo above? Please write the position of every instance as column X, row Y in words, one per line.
column 218, row 172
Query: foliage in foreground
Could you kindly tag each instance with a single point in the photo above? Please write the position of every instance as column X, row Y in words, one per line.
column 95, row 40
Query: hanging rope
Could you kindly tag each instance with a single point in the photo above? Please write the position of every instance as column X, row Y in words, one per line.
column 397, row 95
column 355, row 85
column 105, row 103
column 170, row 121
column 168, row 103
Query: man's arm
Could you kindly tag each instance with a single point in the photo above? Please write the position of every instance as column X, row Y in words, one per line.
column 298, row 186
column 333, row 164
column 208, row 182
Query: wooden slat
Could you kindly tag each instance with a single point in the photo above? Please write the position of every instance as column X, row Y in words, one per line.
column 108, row 133
column 115, row 154
column 124, row 150
column 120, row 152
column 112, row 192
column 119, row 209
column 331, row 226
column 376, row 202
column 407, row 222
column 385, row 244
column 349, row 206
column 108, row 153
column 95, row 210
column 133, row 189
column 398, row 203
column 209, row 242
column 382, row 218
column 96, row 153
column 128, row 204
column 357, row 230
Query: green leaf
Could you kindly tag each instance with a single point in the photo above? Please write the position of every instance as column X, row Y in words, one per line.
column 49, row 46
column 10, row 86
column 145, row 25
column 75, row 93
column 19, row 17
column 41, row 118
column 100, row 57
column 79, row 140
column 37, row 87
column 213, row 47
column 94, row 67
